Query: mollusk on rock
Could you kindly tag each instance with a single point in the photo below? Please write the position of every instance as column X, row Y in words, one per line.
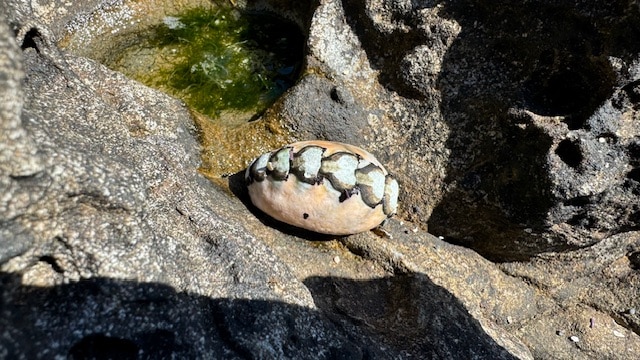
column 323, row 186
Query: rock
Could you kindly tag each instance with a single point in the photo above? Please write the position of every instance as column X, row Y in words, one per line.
column 123, row 244
column 317, row 109
column 520, row 145
column 100, row 317
column 525, row 121
column 478, row 113
column 19, row 159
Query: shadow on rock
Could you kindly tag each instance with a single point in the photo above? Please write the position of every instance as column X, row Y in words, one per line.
column 101, row 318
column 407, row 313
column 502, row 159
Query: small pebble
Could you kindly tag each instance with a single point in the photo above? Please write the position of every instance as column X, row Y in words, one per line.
column 560, row 333
column 509, row 319
column 441, row 237
column 632, row 311
column 602, row 140
column 336, row 259
column 618, row 333
column 574, row 338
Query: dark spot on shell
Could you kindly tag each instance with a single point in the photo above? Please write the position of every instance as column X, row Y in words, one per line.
column 305, row 216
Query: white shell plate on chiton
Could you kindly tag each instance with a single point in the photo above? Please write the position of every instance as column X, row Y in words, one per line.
column 328, row 187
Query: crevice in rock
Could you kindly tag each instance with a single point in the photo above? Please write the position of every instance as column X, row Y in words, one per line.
column 622, row 320
column 388, row 60
column 49, row 259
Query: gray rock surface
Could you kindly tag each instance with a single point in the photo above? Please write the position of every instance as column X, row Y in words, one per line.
column 524, row 114
column 18, row 155
column 123, row 244
column 513, row 131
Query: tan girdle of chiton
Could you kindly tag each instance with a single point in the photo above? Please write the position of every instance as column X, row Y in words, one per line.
column 323, row 186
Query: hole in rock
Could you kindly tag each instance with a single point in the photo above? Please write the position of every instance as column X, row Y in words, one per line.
column 579, row 201
column 29, row 39
column 569, row 152
column 571, row 86
column 52, row 262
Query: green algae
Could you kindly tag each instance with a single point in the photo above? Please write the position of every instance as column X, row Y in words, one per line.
column 220, row 59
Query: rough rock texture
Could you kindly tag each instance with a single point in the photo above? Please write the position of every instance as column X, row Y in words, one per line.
column 513, row 130
column 123, row 244
column 521, row 112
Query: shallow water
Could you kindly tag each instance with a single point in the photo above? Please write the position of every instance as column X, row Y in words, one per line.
column 223, row 63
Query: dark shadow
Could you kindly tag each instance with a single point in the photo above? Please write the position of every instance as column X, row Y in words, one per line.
column 407, row 313
column 551, row 59
column 299, row 11
column 32, row 39
column 102, row 318
column 238, row 187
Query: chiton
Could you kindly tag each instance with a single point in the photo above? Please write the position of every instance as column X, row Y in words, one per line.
column 323, row 186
